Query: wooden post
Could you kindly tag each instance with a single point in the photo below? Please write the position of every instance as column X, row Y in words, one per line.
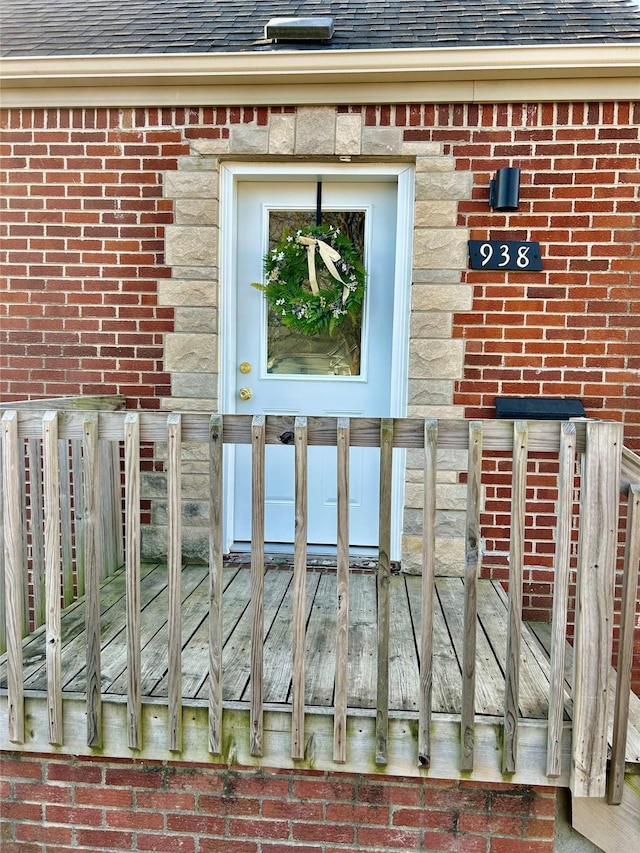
column 15, row 570
column 472, row 567
column 428, row 581
column 625, row 653
column 216, row 446
column 567, row 458
column 257, row 581
column 174, row 570
column 299, row 591
column 594, row 606
column 516, row 562
column 93, row 562
column 132, row 564
column 383, row 584
column 51, row 469
column 342, row 619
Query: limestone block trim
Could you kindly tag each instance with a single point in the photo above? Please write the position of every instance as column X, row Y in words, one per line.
column 439, row 255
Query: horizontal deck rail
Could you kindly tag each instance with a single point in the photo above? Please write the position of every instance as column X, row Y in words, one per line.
column 71, row 487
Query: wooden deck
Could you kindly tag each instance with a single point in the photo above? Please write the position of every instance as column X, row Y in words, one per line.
column 320, row 651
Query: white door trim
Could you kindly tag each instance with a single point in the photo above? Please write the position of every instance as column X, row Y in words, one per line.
column 230, row 175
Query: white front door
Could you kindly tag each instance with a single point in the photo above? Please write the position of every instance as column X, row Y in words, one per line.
column 290, row 373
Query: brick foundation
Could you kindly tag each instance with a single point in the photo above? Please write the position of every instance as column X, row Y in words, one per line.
column 55, row 806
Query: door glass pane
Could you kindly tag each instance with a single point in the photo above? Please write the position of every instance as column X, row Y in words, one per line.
column 290, row 351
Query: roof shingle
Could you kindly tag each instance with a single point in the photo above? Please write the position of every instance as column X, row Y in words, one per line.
column 66, row 27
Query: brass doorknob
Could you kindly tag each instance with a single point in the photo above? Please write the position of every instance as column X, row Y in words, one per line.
column 245, row 394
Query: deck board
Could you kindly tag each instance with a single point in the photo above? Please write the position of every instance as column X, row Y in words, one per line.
column 321, row 606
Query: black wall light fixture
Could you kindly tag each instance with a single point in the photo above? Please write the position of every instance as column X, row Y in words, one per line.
column 504, row 189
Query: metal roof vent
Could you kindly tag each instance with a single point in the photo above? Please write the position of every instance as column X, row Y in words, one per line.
column 317, row 28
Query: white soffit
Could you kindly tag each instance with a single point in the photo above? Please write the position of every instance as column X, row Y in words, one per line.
column 561, row 72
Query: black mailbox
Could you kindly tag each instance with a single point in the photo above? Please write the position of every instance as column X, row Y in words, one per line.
column 539, row 408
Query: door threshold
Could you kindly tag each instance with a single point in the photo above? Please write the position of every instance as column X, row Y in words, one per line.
column 318, row 556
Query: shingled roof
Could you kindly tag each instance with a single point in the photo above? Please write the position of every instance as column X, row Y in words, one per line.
column 85, row 27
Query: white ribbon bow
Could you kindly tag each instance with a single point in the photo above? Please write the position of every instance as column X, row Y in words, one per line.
column 328, row 255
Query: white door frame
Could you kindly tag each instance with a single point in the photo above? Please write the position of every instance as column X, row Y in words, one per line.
column 233, row 173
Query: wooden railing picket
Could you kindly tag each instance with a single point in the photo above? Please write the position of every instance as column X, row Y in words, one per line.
column 93, row 562
column 15, row 573
column 36, row 530
column 383, row 588
column 132, row 568
column 78, row 506
column 51, row 477
column 625, row 652
column 85, row 501
column 174, row 571
column 472, row 567
column 516, row 563
column 299, row 590
column 3, row 600
column 66, row 523
column 216, row 492
column 342, row 586
column 257, row 582
column 428, row 590
column 564, row 512
column 594, row 606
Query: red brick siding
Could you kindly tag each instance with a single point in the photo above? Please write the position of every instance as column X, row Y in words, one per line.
column 90, row 804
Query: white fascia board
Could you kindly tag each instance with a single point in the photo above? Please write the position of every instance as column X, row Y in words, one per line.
column 321, row 77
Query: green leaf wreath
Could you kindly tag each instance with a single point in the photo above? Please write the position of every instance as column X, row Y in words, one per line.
column 314, row 279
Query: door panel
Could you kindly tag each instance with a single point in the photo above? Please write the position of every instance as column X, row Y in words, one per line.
column 313, row 377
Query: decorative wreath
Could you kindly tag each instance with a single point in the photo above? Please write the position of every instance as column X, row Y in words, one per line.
column 311, row 295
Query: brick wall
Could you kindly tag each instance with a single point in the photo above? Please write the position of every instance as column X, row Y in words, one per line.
column 89, row 804
column 83, row 228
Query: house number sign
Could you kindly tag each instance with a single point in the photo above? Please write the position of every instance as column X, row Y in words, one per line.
column 504, row 255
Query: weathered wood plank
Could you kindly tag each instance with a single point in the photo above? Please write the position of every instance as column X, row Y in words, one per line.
column 384, row 575
column 195, row 636
column 489, row 692
column 564, row 513
column 299, row 583
column 445, row 690
column 3, row 610
column 594, row 606
column 257, row 579
column 216, row 493
column 36, row 530
column 362, row 641
column 365, row 432
column 15, row 572
column 404, row 676
column 51, row 469
column 106, row 499
column 342, row 601
column 321, row 648
column 428, row 591
column 154, row 635
column 93, row 574
column 472, row 567
column 402, row 746
column 278, row 644
column 78, row 506
column 236, row 659
column 516, row 564
column 66, row 522
column 132, row 564
column 625, row 651
column 174, row 565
